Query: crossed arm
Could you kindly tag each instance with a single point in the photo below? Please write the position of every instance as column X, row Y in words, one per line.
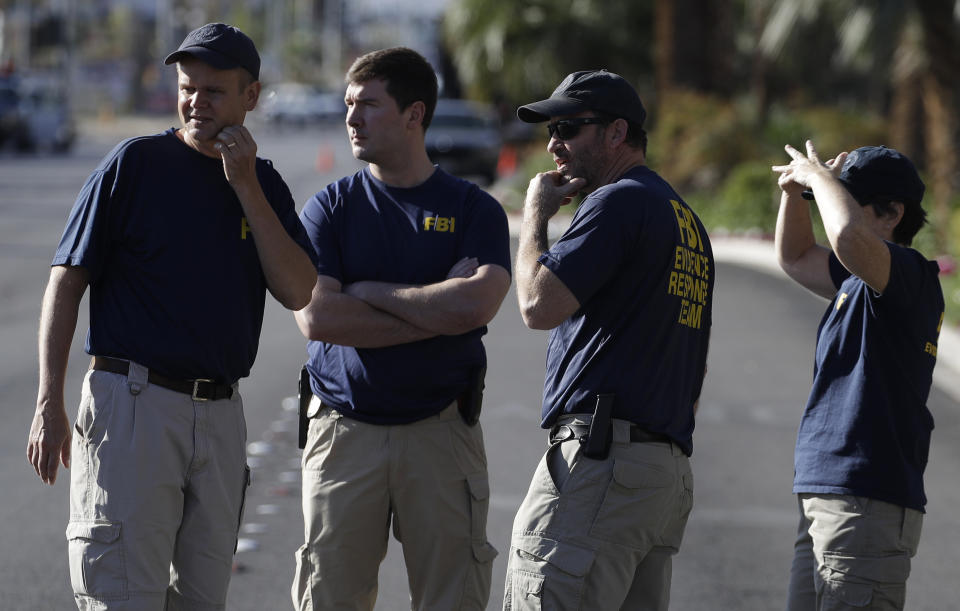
column 372, row 314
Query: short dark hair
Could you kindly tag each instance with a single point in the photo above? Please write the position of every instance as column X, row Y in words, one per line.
column 636, row 135
column 914, row 218
column 246, row 79
column 409, row 77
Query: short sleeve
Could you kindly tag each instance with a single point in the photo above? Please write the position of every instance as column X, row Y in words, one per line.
column 487, row 234
column 589, row 252
column 317, row 219
column 280, row 199
column 86, row 237
column 913, row 278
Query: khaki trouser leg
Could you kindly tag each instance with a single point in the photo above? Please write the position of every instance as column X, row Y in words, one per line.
column 133, row 534
column 346, row 512
column 440, row 497
column 862, row 549
column 596, row 534
column 430, row 476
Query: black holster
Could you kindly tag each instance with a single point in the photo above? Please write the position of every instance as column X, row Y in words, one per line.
column 304, row 394
column 471, row 401
column 596, row 443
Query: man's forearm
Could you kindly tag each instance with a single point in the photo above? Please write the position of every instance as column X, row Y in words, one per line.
column 337, row 318
column 58, row 322
column 794, row 232
column 287, row 268
column 533, row 243
column 450, row 307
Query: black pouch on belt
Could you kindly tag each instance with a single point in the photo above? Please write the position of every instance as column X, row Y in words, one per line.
column 304, row 394
column 596, row 443
column 471, row 401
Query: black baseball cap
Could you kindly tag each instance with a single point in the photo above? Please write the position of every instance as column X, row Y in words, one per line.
column 220, row 45
column 588, row 90
column 877, row 173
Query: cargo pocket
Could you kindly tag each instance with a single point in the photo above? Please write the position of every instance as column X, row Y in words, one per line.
column 844, row 585
column 477, row 589
column 97, row 565
column 636, row 505
column 546, row 574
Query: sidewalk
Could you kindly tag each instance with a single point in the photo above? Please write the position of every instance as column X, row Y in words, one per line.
column 758, row 254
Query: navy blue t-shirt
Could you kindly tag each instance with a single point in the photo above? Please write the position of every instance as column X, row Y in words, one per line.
column 175, row 281
column 363, row 229
column 639, row 261
column 866, row 428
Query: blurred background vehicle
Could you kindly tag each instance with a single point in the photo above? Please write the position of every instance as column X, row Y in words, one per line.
column 46, row 119
column 301, row 104
column 464, row 139
column 34, row 115
column 10, row 125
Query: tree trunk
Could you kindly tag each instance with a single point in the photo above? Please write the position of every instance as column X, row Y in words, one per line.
column 939, row 102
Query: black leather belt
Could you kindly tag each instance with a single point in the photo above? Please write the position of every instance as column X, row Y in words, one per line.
column 199, row 390
column 563, row 432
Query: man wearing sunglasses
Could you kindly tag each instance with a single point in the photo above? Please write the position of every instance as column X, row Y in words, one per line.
column 627, row 294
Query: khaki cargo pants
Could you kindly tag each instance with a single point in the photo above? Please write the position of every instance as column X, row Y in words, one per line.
column 600, row 534
column 852, row 553
column 428, row 477
column 157, row 485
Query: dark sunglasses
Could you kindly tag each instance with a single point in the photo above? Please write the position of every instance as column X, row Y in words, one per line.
column 567, row 129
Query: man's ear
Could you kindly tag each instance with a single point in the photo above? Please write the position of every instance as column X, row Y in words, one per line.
column 896, row 216
column 417, row 111
column 251, row 95
column 618, row 132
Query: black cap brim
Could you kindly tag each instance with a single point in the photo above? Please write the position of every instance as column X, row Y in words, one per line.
column 207, row 56
column 541, row 111
column 808, row 193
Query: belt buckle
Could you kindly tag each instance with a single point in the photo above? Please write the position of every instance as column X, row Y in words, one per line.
column 561, row 433
column 196, row 387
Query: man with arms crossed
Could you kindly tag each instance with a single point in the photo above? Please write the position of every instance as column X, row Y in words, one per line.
column 865, row 434
column 413, row 264
column 627, row 294
column 178, row 235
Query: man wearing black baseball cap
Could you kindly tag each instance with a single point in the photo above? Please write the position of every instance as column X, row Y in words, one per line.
column 178, row 236
column 627, row 294
column 865, row 434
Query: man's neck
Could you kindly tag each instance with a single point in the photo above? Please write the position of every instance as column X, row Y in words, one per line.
column 621, row 164
column 405, row 172
column 196, row 145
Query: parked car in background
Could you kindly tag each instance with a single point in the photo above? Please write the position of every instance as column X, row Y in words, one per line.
column 301, row 104
column 464, row 139
column 10, row 125
column 34, row 115
column 46, row 117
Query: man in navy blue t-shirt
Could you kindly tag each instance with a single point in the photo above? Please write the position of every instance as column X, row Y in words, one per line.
column 865, row 434
column 627, row 294
column 413, row 264
column 178, row 235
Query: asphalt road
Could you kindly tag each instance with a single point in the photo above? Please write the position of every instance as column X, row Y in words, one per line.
column 738, row 543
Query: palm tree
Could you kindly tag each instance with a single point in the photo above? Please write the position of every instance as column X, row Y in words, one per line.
column 912, row 48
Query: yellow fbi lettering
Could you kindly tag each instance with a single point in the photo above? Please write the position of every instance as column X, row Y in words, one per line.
column 439, row 223
column 244, row 228
column 689, row 232
column 689, row 279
